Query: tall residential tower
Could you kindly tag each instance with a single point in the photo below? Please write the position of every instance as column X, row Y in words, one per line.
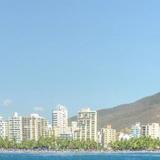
column 60, row 119
column 34, row 127
column 87, row 124
column 15, row 128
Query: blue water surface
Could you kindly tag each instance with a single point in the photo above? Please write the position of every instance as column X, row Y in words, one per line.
column 80, row 156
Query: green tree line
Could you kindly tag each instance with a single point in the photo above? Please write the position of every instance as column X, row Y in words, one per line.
column 50, row 143
column 142, row 143
column 133, row 144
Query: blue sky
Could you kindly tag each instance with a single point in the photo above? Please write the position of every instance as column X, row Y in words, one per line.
column 77, row 53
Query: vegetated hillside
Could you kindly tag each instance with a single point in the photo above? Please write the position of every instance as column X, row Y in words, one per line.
column 145, row 110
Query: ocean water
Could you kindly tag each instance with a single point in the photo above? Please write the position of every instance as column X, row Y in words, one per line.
column 78, row 156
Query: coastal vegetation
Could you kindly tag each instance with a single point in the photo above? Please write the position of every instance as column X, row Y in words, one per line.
column 141, row 143
column 50, row 143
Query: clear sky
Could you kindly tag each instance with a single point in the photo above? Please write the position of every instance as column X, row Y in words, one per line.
column 77, row 53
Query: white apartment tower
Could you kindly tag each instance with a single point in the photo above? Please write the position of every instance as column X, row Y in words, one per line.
column 136, row 130
column 60, row 119
column 87, row 124
column 2, row 131
column 3, row 128
column 15, row 128
column 152, row 130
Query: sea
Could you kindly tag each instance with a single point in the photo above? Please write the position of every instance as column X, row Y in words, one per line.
column 79, row 156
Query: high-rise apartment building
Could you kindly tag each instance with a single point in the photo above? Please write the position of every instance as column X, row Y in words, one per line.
column 3, row 128
column 108, row 135
column 136, row 130
column 34, row 127
column 60, row 119
column 87, row 124
column 15, row 128
column 152, row 130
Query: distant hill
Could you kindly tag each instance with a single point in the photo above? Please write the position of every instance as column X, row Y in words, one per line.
column 145, row 110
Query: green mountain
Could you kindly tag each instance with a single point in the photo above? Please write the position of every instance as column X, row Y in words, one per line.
column 145, row 110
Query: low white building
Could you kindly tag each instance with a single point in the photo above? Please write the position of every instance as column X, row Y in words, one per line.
column 123, row 136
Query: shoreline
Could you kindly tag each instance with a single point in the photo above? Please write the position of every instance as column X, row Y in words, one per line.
column 66, row 152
